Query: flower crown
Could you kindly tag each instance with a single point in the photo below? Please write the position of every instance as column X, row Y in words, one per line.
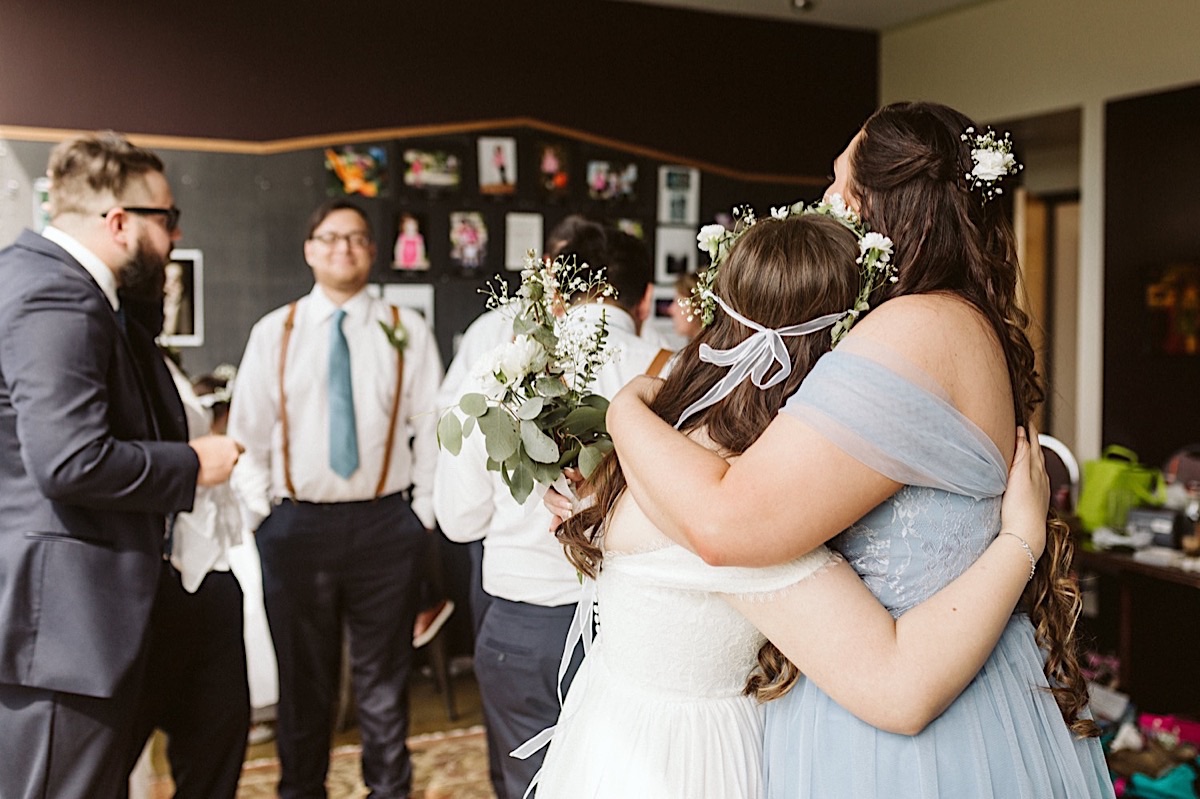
column 993, row 161
column 875, row 257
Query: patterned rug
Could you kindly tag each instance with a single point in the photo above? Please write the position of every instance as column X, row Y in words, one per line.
column 446, row 765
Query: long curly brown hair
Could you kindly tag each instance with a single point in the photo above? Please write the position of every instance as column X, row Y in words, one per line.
column 778, row 273
column 907, row 172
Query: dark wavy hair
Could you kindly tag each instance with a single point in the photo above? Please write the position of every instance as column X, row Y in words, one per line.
column 778, row 273
column 907, row 173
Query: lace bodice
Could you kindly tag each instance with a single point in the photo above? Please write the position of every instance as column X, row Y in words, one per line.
column 894, row 418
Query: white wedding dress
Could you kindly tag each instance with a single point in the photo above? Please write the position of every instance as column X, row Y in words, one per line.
column 657, row 710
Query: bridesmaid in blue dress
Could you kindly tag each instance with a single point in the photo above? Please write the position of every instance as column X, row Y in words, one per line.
column 899, row 440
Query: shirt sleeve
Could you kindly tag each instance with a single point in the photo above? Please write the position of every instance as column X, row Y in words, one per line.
column 252, row 415
column 423, row 375
column 463, row 490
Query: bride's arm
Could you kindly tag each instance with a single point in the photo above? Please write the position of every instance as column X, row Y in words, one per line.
column 899, row 675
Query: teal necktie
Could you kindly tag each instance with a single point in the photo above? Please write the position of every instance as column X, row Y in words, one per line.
column 343, row 434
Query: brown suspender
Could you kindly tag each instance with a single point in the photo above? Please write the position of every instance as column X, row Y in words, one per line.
column 660, row 360
column 288, row 324
column 391, row 436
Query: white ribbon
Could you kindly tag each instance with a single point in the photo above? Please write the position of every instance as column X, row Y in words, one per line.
column 581, row 630
column 753, row 358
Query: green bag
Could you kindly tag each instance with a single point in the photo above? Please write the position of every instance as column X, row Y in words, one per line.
column 1114, row 483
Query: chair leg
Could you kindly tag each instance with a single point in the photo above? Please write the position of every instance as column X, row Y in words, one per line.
column 441, row 674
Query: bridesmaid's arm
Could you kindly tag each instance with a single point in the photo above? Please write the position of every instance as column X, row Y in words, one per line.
column 899, row 675
column 798, row 487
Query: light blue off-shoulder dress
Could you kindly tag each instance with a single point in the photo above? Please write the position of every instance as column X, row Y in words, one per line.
column 1003, row 738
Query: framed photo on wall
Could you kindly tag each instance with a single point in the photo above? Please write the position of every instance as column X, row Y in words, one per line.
column 357, row 170
column 522, row 233
column 678, row 195
column 432, row 170
column 468, row 241
column 417, row 296
column 675, row 253
column 408, row 248
column 497, row 165
column 183, row 300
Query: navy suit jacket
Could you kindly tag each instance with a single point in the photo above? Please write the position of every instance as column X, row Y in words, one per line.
column 86, row 478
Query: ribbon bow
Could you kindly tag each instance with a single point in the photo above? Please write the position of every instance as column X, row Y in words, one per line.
column 753, row 358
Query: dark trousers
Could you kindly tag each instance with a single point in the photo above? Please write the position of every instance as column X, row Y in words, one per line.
column 325, row 566
column 66, row 746
column 195, row 688
column 517, row 655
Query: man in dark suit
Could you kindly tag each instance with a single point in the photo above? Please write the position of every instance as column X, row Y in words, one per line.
column 88, row 474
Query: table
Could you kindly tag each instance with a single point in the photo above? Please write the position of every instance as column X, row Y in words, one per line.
column 1130, row 575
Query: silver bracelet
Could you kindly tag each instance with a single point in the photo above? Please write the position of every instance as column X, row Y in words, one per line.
column 1028, row 552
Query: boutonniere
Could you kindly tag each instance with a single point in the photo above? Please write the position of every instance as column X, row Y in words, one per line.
column 397, row 336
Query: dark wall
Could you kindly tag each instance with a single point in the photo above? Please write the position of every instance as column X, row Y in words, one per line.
column 1152, row 220
column 752, row 95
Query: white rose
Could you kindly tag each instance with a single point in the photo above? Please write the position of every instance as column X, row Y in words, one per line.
column 876, row 241
column 780, row 213
column 991, row 164
column 520, row 358
column 709, row 239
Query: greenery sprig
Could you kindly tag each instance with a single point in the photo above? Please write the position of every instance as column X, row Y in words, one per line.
column 534, row 408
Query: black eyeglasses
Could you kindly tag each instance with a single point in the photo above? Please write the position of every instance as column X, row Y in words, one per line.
column 171, row 214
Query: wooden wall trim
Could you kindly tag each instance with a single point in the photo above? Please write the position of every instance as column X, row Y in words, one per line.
column 238, row 147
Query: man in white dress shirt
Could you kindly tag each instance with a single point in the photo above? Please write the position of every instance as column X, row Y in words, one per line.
column 533, row 588
column 340, row 499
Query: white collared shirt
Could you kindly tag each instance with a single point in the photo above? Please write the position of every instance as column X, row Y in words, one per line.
column 88, row 260
column 522, row 561
column 254, row 418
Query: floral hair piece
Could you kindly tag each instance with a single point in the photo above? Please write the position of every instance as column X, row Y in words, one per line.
column 875, row 257
column 993, row 159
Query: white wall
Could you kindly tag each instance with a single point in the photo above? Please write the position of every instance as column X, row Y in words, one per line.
column 1010, row 59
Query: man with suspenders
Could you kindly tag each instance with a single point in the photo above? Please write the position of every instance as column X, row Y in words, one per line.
column 335, row 404
column 533, row 589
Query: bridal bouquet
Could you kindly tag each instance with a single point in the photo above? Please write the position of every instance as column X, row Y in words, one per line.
column 533, row 407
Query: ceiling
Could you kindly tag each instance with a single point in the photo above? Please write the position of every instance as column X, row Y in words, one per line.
column 877, row 15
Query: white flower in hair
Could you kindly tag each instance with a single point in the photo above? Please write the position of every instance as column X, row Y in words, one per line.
column 876, row 241
column 781, row 213
column 993, row 160
column 710, row 238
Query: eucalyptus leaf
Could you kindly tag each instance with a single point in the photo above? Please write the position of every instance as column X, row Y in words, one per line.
column 590, row 458
column 530, row 408
column 605, row 445
column 473, row 405
column 521, row 484
column 468, row 426
column 594, row 401
column 523, row 326
column 583, row 420
column 550, row 387
column 500, row 431
column 493, row 466
column 546, row 473
column 450, row 433
column 538, row 445
column 568, row 457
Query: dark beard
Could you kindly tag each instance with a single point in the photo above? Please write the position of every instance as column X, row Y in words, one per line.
column 141, row 290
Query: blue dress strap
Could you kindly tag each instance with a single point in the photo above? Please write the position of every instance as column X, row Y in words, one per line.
column 889, row 415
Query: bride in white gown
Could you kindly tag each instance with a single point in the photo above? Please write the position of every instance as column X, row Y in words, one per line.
column 662, row 706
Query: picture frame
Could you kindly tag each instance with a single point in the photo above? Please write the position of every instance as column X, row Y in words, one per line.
column 678, row 195
column 432, row 170
column 522, row 232
column 183, row 299
column 675, row 253
column 468, row 242
column 357, row 170
column 660, row 319
column 612, row 180
column 409, row 251
column 554, row 170
column 497, row 165
column 416, row 296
